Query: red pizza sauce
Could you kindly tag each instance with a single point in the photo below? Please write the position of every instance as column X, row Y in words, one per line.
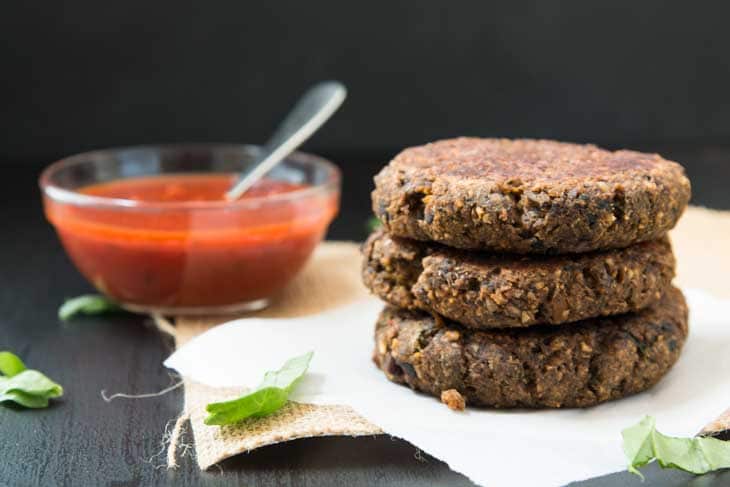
column 175, row 243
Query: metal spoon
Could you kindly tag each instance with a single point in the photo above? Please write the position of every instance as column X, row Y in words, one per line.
column 311, row 111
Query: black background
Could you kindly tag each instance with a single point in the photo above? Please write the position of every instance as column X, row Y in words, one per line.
column 87, row 74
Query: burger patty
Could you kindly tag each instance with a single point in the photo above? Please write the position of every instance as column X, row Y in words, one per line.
column 480, row 290
column 529, row 196
column 581, row 365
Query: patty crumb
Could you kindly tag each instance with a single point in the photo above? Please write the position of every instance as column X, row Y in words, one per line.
column 453, row 399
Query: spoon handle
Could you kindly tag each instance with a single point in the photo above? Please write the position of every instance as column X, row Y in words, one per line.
column 311, row 111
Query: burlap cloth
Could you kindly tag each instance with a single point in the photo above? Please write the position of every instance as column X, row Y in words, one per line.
column 331, row 279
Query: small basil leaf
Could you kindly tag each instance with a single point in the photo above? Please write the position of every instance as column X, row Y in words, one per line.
column 373, row 224
column 267, row 398
column 642, row 443
column 31, row 382
column 289, row 373
column 88, row 304
column 23, row 386
column 10, row 364
column 25, row 400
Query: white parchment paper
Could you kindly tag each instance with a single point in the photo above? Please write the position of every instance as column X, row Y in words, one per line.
column 493, row 448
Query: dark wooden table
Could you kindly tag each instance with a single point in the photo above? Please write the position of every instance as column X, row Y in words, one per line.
column 81, row 440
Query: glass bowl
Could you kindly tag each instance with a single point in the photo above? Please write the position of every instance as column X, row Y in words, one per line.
column 189, row 257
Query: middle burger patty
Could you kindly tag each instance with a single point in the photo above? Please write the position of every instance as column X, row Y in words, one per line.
column 482, row 290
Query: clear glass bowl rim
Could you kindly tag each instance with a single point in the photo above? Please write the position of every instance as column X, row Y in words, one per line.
column 67, row 196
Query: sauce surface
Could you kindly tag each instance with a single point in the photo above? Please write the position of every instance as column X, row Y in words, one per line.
column 184, row 187
column 191, row 257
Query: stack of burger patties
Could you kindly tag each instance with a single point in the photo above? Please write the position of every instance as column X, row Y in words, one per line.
column 526, row 273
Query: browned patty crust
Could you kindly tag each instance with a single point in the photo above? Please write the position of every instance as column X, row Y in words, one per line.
column 529, row 196
column 482, row 290
column 568, row 366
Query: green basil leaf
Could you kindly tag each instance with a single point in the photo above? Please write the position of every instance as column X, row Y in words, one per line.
column 88, row 304
column 637, row 444
column 288, row 375
column 642, row 443
column 23, row 386
column 259, row 403
column 267, row 398
column 373, row 224
column 10, row 364
column 31, row 382
column 25, row 400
